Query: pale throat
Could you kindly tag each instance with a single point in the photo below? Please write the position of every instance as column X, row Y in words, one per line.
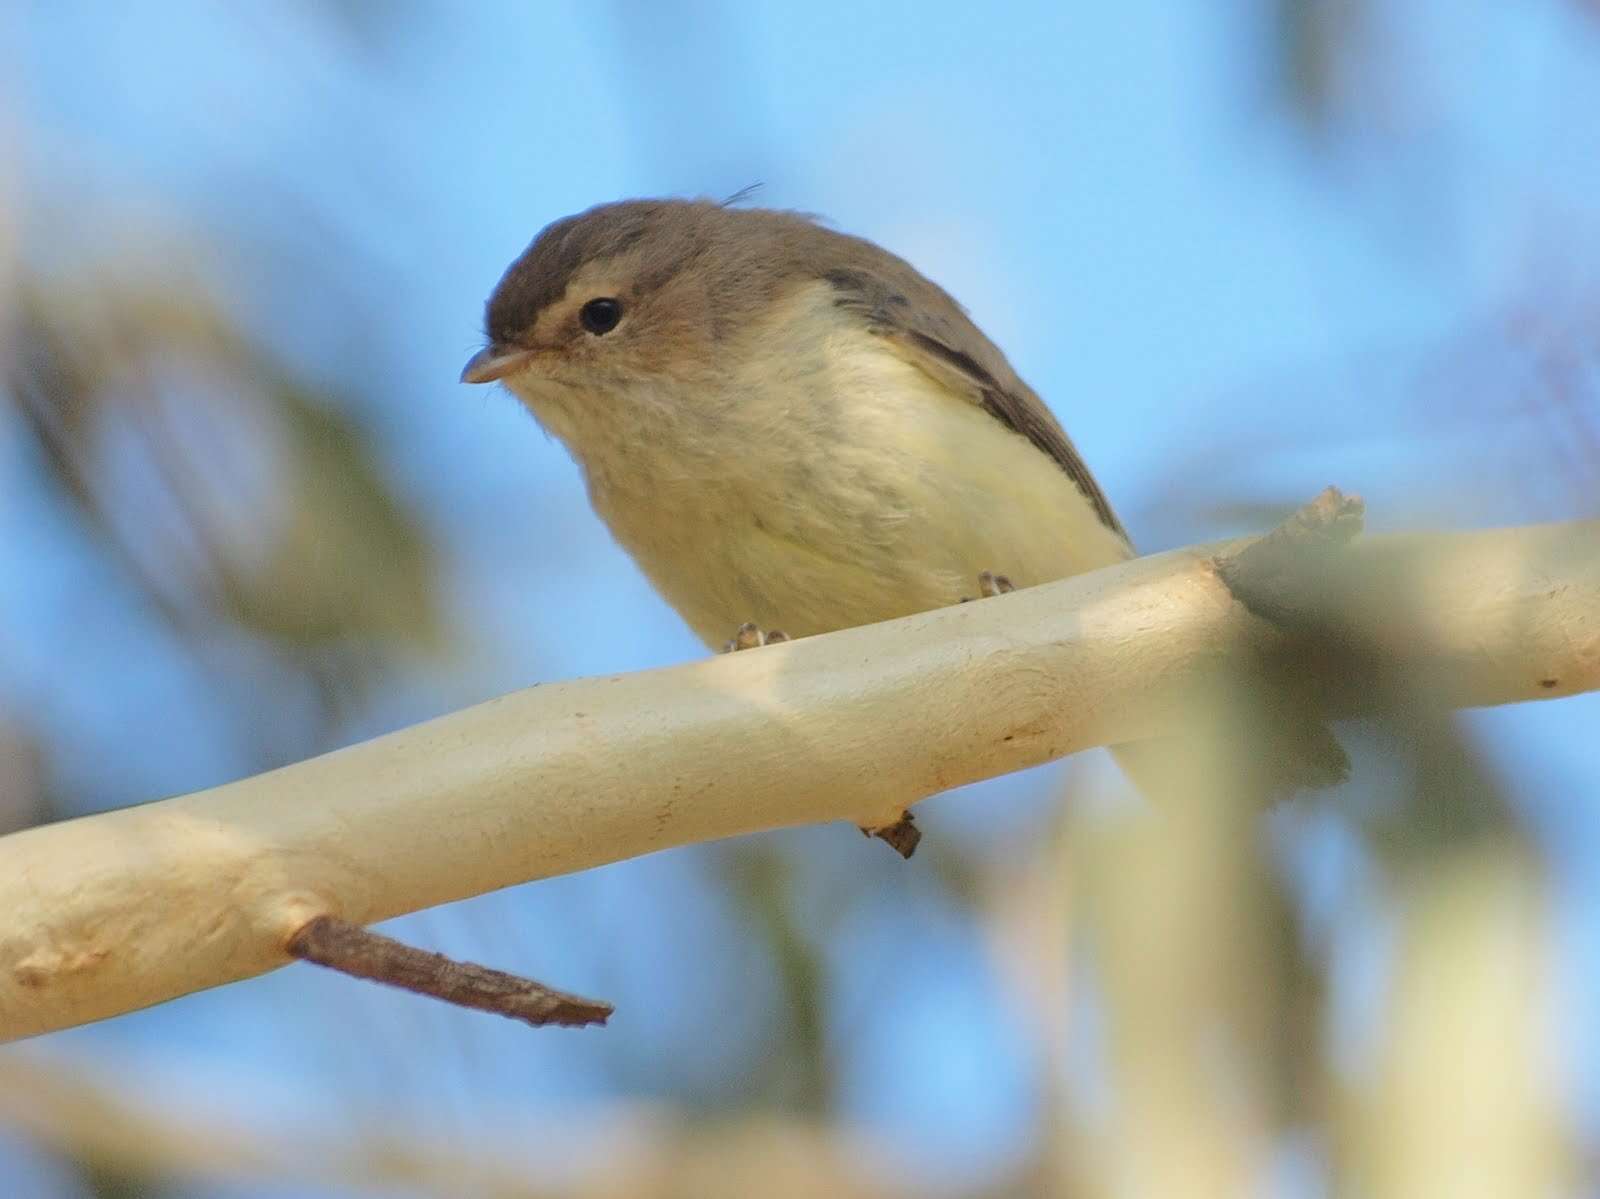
column 768, row 399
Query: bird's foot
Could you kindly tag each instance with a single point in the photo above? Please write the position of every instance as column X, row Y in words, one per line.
column 990, row 584
column 902, row 836
column 749, row 636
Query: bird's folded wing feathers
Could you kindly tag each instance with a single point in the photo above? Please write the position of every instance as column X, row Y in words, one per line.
column 929, row 329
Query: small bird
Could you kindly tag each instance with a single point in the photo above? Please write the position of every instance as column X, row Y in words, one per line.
column 790, row 429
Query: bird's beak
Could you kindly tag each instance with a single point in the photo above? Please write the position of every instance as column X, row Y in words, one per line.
column 495, row 362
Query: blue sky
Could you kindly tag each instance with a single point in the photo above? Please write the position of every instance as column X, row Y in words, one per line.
column 1220, row 311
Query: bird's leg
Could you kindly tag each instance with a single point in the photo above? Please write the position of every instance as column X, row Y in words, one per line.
column 902, row 836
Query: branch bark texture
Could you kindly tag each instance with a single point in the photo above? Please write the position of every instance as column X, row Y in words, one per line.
column 125, row 909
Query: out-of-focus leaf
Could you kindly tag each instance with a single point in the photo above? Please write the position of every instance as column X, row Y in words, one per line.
column 22, row 798
column 761, row 875
column 349, row 562
column 1314, row 48
column 332, row 557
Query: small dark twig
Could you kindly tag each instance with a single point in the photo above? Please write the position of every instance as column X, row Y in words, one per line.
column 1278, row 576
column 349, row 948
column 903, row 836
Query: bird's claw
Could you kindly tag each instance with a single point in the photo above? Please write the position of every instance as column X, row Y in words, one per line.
column 749, row 636
column 990, row 584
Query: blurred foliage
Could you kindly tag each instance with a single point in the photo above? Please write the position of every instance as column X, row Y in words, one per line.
column 325, row 554
column 248, row 509
column 796, row 1077
column 21, row 778
column 1319, row 46
column 231, row 500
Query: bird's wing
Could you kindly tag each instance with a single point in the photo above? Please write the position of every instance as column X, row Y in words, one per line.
column 930, row 330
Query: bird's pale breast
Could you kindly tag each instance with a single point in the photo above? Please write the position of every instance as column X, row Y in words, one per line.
column 833, row 483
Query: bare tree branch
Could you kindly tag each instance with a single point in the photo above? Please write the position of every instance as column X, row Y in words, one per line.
column 121, row 910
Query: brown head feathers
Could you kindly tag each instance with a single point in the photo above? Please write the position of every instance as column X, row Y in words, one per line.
column 695, row 272
column 742, row 255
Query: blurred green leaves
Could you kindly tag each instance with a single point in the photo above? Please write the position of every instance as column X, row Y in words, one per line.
column 1315, row 51
column 349, row 562
column 236, row 501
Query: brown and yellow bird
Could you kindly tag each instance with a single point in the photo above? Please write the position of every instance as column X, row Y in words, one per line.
column 787, row 427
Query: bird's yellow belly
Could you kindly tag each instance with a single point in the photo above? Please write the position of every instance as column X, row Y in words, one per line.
column 821, row 528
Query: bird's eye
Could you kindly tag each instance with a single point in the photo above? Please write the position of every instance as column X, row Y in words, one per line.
column 600, row 316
